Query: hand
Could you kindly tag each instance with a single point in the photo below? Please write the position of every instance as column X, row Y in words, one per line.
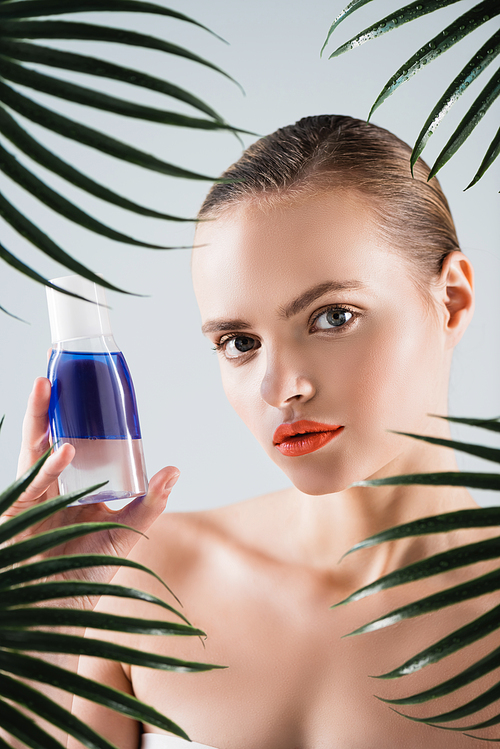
column 139, row 514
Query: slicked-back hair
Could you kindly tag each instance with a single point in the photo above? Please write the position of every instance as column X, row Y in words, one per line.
column 335, row 152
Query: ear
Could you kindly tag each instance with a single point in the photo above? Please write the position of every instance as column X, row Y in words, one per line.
column 457, row 285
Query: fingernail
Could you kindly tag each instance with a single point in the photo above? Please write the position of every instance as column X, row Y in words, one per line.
column 171, row 482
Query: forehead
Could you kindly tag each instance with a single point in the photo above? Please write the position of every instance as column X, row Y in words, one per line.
column 258, row 253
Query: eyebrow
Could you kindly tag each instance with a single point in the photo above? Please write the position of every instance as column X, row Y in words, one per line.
column 217, row 326
column 289, row 310
column 315, row 292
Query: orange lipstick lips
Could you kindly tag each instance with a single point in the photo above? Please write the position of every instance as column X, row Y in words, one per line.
column 303, row 437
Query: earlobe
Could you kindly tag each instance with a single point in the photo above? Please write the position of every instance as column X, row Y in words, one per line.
column 457, row 282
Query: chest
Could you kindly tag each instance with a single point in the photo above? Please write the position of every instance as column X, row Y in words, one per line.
column 292, row 679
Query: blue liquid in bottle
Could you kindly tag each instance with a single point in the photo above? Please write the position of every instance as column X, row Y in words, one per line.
column 92, row 396
column 93, row 407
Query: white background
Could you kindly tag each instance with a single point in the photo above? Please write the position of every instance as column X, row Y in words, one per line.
column 274, row 54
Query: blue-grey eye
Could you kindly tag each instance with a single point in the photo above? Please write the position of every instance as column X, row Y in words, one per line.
column 332, row 318
column 238, row 345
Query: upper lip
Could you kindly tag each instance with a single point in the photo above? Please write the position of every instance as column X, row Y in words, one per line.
column 285, row 431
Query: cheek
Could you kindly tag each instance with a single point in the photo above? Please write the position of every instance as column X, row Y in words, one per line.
column 242, row 388
column 395, row 375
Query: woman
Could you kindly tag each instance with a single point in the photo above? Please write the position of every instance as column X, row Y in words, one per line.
column 332, row 286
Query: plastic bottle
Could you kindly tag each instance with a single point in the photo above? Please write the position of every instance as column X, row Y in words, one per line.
column 92, row 404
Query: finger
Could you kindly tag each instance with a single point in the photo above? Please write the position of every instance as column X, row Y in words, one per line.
column 48, row 475
column 142, row 512
column 35, row 434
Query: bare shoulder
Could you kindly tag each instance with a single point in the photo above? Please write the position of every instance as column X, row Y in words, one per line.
column 187, row 549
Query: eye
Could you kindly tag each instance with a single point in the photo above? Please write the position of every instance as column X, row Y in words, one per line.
column 236, row 346
column 335, row 317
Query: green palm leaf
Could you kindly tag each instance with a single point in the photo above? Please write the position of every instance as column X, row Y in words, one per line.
column 49, row 591
column 37, row 513
column 33, row 8
column 57, row 617
column 452, row 643
column 14, row 262
column 81, row 95
column 490, row 156
column 491, row 424
column 472, row 480
column 19, row 23
column 14, row 491
column 20, row 624
column 35, row 669
column 457, row 594
column 475, row 114
column 22, row 140
column 49, row 642
column 484, row 700
column 442, row 42
column 434, row 565
column 480, row 451
column 23, row 550
column 18, row 173
column 450, row 521
column 474, row 67
column 58, row 565
column 483, row 12
column 93, row 33
column 90, row 137
column 27, row 229
column 23, row 728
column 353, row 5
column 482, row 667
column 24, row 52
column 11, row 314
column 393, row 21
column 47, row 709
column 454, row 558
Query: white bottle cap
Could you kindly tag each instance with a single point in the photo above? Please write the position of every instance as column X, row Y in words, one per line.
column 75, row 318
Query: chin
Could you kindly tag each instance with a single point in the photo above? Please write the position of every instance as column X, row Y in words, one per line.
column 336, row 475
column 320, row 482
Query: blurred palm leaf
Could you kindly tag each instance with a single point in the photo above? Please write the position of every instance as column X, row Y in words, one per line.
column 482, row 13
column 25, row 628
column 19, row 23
column 455, row 558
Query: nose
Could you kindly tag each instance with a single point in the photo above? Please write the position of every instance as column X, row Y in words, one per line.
column 286, row 381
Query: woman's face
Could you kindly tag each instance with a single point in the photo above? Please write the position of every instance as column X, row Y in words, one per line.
column 315, row 319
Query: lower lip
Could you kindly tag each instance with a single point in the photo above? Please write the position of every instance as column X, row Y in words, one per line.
column 303, row 444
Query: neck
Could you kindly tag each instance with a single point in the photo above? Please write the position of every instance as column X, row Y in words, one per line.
column 356, row 513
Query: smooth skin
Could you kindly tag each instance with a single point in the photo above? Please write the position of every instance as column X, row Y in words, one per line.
column 259, row 576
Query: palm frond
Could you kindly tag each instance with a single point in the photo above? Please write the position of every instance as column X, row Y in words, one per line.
column 33, row 8
column 23, row 52
column 492, row 425
column 459, row 85
column 36, row 20
column 452, row 643
column 459, row 557
column 483, row 12
column 28, row 667
column 480, row 586
column 437, row 564
column 475, row 114
column 489, row 157
column 388, row 23
column 38, row 153
column 26, row 628
column 32, row 184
